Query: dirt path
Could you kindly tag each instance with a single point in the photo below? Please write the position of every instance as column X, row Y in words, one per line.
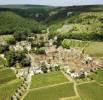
column 44, row 87
column 99, row 83
column 86, row 82
column 67, row 76
column 70, row 79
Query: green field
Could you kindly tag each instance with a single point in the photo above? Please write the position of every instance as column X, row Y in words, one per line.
column 6, row 75
column 52, row 93
column 91, row 48
column 98, row 76
column 95, row 49
column 90, row 91
column 47, row 79
column 7, row 90
column 74, row 43
column 75, row 98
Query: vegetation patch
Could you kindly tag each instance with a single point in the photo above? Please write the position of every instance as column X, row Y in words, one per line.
column 48, row 79
column 6, row 75
column 95, row 49
column 6, row 37
column 98, row 76
column 90, row 91
column 67, row 43
column 75, row 98
column 2, row 63
column 52, row 93
column 7, row 90
column 80, row 25
column 92, row 48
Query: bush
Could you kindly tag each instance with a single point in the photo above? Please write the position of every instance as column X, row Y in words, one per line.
column 14, row 57
column 4, row 48
column 66, row 44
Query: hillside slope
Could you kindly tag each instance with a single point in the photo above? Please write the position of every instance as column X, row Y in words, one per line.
column 74, row 22
column 80, row 25
column 11, row 22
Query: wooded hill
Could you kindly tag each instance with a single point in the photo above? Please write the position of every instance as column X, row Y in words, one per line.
column 74, row 22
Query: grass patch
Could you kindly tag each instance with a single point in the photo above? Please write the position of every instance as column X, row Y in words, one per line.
column 66, row 43
column 98, row 76
column 75, row 98
column 2, row 63
column 91, row 48
column 95, row 49
column 47, row 79
column 6, row 37
column 90, row 91
column 7, row 90
column 6, row 75
column 52, row 93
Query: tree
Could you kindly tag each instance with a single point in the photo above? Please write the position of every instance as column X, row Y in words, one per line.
column 11, row 41
column 17, row 57
column 57, row 68
column 25, row 62
column 10, row 58
column 4, row 48
column 21, row 34
column 44, row 68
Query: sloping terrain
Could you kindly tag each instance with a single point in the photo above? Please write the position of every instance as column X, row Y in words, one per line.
column 11, row 22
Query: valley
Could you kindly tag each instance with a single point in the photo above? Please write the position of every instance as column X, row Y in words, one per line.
column 51, row 53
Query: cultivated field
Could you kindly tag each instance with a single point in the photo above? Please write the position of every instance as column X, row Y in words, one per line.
column 52, row 93
column 47, row 79
column 75, row 98
column 50, row 86
column 7, row 75
column 95, row 49
column 98, row 76
column 8, row 89
column 91, row 48
column 90, row 91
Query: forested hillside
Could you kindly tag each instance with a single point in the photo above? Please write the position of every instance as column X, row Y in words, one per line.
column 80, row 25
column 74, row 22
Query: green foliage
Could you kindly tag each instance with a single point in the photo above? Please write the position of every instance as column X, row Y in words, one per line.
column 80, row 25
column 11, row 41
column 25, row 62
column 40, row 50
column 67, row 43
column 12, row 23
column 44, row 68
column 4, row 48
column 21, row 34
column 6, row 75
column 2, row 63
column 17, row 57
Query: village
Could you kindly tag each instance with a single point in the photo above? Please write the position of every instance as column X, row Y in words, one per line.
column 73, row 61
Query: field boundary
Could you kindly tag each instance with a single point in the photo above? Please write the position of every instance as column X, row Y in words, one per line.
column 86, row 82
column 49, row 86
column 7, row 83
